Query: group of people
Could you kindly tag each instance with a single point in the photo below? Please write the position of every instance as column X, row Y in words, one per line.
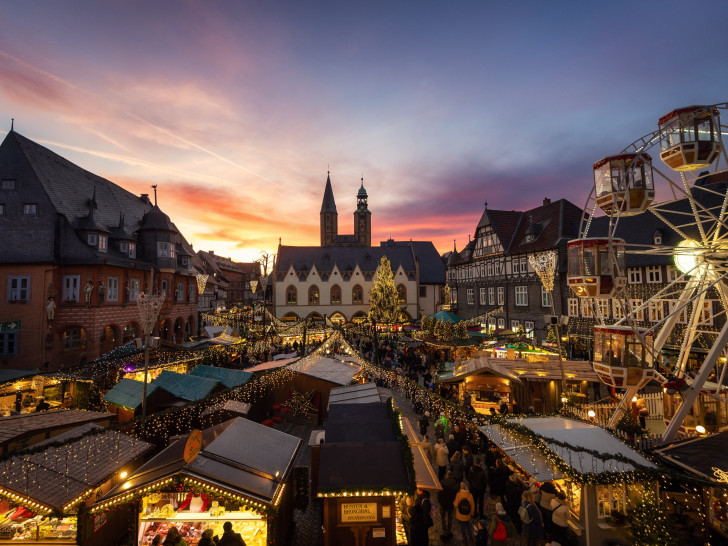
column 487, row 501
column 228, row 538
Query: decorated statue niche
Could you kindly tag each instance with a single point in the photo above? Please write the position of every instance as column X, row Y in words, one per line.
column 88, row 289
column 51, row 308
column 102, row 291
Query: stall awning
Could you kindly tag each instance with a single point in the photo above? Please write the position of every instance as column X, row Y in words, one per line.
column 329, row 369
column 700, row 456
column 361, row 393
column 228, row 377
column 425, row 475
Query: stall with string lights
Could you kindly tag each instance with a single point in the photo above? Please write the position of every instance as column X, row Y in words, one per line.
column 206, row 478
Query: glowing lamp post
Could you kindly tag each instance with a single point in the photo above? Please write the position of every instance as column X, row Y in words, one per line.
column 149, row 306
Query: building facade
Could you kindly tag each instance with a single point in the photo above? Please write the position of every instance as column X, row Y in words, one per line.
column 77, row 250
column 492, row 274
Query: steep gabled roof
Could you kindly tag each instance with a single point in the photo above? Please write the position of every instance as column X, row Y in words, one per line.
column 551, row 222
column 503, row 222
column 328, row 204
column 304, row 258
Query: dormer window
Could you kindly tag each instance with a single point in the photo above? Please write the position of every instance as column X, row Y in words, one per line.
column 657, row 238
column 132, row 250
column 124, row 247
column 185, row 261
column 103, row 243
column 165, row 249
column 92, row 239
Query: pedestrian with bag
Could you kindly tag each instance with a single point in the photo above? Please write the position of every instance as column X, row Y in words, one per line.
column 531, row 517
column 447, row 504
column 464, row 510
column 501, row 528
column 559, row 518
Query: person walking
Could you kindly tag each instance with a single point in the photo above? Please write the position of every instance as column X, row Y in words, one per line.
column 446, row 497
column 501, row 528
column 456, row 466
column 559, row 518
column 418, row 526
column 425, row 423
column 464, row 511
column 548, row 493
column 441, row 458
column 428, row 449
column 477, row 481
column 514, row 491
column 531, row 517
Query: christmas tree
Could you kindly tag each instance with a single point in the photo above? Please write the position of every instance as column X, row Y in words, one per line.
column 461, row 330
column 383, row 301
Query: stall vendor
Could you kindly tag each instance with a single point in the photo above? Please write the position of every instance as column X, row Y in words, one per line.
column 196, row 503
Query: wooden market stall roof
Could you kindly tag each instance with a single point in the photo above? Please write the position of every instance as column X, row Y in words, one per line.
column 128, row 393
column 57, row 476
column 575, row 370
column 425, row 475
column 360, row 393
column 240, row 456
column 701, row 456
column 329, row 369
column 21, row 428
column 228, row 377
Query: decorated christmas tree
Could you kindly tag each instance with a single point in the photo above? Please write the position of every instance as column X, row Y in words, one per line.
column 461, row 330
column 448, row 331
column 649, row 525
column 384, row 307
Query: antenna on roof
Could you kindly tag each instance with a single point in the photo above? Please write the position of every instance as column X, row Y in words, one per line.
column 155, row 194
column 12, row 123
column 486, row 205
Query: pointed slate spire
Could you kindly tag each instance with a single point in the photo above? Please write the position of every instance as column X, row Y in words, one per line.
column 328, row 204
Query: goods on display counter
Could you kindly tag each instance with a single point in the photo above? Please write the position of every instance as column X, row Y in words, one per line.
column 20, row 524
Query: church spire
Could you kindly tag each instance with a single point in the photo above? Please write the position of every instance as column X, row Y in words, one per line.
column 328, row 204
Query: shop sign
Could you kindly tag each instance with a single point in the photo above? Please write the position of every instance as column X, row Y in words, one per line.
column 358, row 512
column 11, row 326
column 99, row 521
column 192, row 446
column 378, row 532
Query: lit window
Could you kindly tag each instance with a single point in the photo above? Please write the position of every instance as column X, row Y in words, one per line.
column 165, row 249
column 482, row 296
column 638, row 311
column 603, row 307
column 132, row 250
column 545, row 297
column 514, row 325
column 586, row 308
column 521, row 296
column 528, row 327
column 134, row 286
column 610, row 499
column 491, row 296
column 103, row 243
column 501, row 323
column 470, row 293
column 313, row 295
column 656, row 310
column 357, row 294
column 573, row 307
column 335, row 294
column 501, row 295
column 682, row 317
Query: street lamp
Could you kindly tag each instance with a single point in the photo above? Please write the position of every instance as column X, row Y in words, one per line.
column 148, row 305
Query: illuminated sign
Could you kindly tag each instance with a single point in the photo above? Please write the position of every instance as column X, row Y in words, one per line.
column 358, row 512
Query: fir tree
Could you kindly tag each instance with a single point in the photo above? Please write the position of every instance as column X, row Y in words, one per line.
column 448, row 331
column 461, row 330
column 383, row 300
column 649, row 526
column 437, row 330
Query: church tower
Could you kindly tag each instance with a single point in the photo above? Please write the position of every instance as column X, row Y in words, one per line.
column 329, row 216
column 362, row 219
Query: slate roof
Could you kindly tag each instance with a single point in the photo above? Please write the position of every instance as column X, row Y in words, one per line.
column 184, row 386
column 360, row 393
column 127, row 393
column 239, row 455
column 432, row 267
column 58, row 475
column 229, row 378
column 329, row 369
column 328, row 204
column 10, row 376
column 16, row 426
column 699, row 455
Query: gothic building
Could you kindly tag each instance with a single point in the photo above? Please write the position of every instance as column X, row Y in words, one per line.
column 330, row 220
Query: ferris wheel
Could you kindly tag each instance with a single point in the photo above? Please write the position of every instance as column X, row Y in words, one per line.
column 690, row 201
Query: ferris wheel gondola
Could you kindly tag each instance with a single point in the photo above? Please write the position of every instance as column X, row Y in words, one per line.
column 690, row 140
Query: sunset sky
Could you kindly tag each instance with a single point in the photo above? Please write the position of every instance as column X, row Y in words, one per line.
column 237, row 109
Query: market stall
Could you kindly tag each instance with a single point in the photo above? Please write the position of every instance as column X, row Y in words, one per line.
column 44, row 495
column 238, row 471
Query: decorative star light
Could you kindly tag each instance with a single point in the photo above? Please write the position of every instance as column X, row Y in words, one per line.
column 300, row 403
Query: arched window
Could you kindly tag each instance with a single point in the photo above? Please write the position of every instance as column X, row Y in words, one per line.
column 313, row 295
column 401, row 294
column 291, row 295
column 357, row 294
column 74, row 339
column 335, row 294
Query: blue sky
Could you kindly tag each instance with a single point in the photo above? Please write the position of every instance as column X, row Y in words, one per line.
column 237, row 109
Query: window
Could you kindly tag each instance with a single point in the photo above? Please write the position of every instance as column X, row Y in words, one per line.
column 471, row 296
column 103, row 243
column 313, row 295
column 9, row 184
column 573, row 307
column 165, row 249
column 521, row 295
column 496, row 268
column 401, row 294
column 515, row 325
column 683, row 316
column 586, row 308
column 617, row 312
column 482, row 296
column 657, row 238
column 164, row 289
column 524, row 265
column 8, row 343
column 501, row 323
column 491, row 296
column 653, row 274
column 191, row 292
column 124, row 247
column 489, row 269
column 491, row 323
column 673, row 273
column 706, row 315
column 634, row 275
column 70, row 287
column 30, row 209
column 134, row 286
column 112, row 289
column 335, row 294
column 180, row 291
column 74, row 339
column 92, row 239
column 18, row 288
column 545, row 297
column 528, row 327
column 603, row 307
column 132, row 250
column 516, row 266
column 423, row 291
column 357, row 294
column 638, row 314
column 610, row 498
column 656, row 311
column 501, row 295
column 454, row 295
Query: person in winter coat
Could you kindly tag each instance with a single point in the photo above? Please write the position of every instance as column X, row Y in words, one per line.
column 451, row 444
column 464, row 509
column 418, row 527
column 481, row 535
column 446, row 498
column 206, row 538
column 501, row 517
column 467, row 457
column 532, row 523
column 499, row 478
column 548, row 493
column 174, row 538
column 559, row 518
column 425, row 423
column 456, row 466
column 441, row 458
column 428, row 449
column 477, row 481
column 229, row 537
column 514, row 490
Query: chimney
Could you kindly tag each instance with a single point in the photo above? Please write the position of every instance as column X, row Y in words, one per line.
column 145, row 197
column 546, row 201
